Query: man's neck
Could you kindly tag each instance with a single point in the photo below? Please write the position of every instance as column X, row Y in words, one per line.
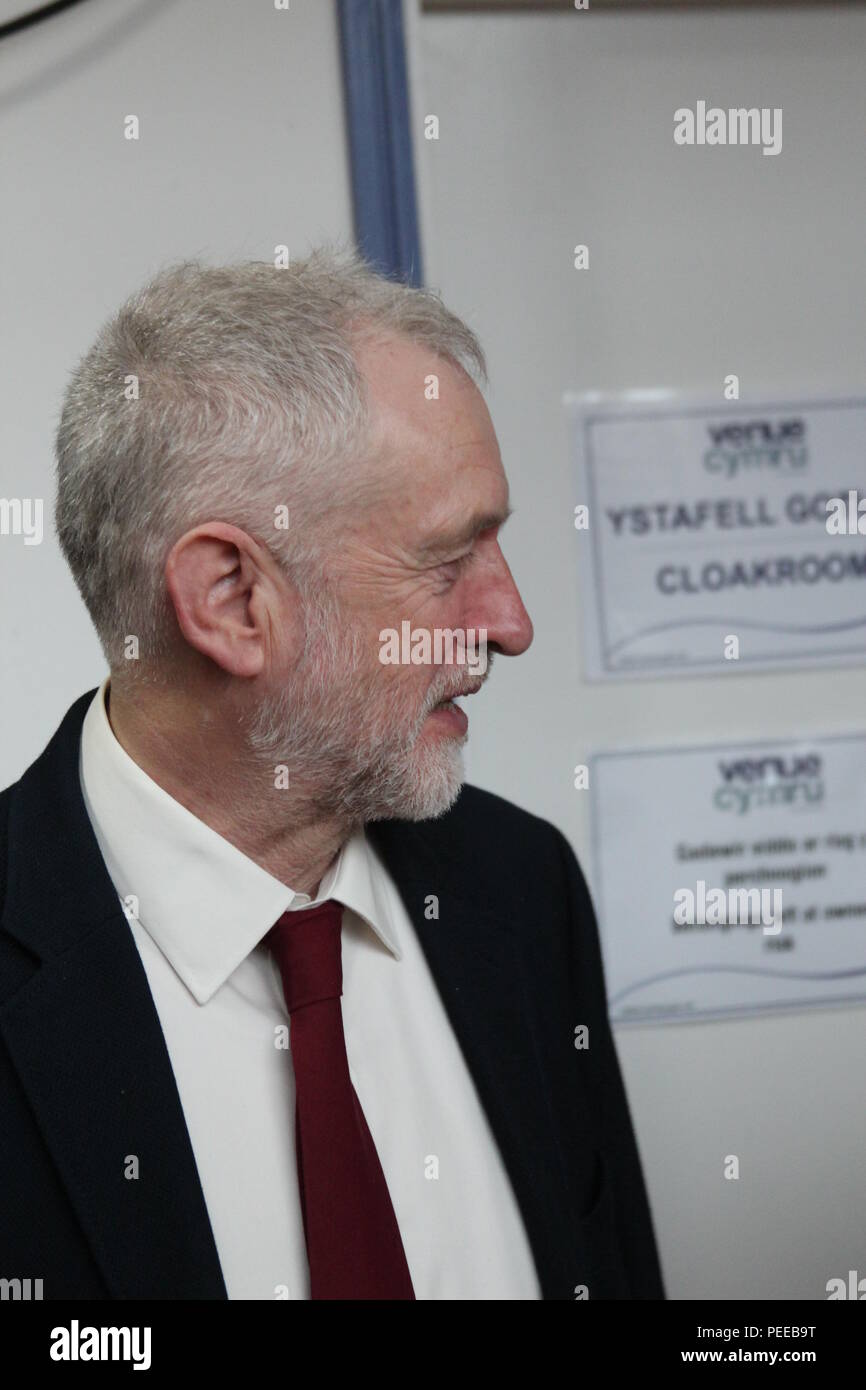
column 194, row 765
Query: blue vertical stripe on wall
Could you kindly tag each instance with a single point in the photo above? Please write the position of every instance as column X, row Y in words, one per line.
column 380, row 141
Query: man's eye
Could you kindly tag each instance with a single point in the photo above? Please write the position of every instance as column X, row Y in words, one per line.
column 454, row 568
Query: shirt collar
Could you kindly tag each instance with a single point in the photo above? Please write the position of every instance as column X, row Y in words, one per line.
column 203, row 901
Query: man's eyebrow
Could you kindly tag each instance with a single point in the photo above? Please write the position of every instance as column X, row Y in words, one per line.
column 449, row 540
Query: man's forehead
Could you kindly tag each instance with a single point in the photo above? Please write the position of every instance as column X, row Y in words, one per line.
column 435, row 441
column 442, row 497
column 390, row 361
column 414, row 393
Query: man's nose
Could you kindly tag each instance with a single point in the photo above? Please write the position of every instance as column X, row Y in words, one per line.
column 501, row 611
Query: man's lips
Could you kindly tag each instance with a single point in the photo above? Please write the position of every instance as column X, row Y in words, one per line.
column 459, row 693
column 450, row 716
column 447, row 712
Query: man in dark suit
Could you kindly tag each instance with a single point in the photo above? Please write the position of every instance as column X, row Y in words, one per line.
column 288, row 1009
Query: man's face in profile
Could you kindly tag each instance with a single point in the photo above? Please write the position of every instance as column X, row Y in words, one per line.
column 371, row 739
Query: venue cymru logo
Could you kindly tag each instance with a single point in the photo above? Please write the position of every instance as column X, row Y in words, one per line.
column 740, row 446
column 750, row 783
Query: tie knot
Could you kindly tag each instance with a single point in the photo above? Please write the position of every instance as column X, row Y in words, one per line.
column 307, row 947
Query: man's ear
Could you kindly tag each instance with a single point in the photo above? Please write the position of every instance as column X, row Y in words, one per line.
column 229, row 597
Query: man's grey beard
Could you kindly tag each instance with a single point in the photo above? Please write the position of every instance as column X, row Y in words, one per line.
column 344, row 743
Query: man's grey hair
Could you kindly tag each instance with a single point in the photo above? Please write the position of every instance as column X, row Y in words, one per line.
column 225, row 393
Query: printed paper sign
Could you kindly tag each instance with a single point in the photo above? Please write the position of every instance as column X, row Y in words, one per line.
column 706, row 521
column 731, row 879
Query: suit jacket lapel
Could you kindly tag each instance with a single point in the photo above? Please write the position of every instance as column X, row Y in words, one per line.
column 85, row 1038
column 472, row 956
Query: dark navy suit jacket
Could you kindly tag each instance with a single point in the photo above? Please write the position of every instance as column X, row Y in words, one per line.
column 85, row 1076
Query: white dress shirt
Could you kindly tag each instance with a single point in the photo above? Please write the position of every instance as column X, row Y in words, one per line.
column 198, row 909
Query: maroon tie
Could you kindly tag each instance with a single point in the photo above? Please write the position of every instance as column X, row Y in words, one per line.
column 354, row 1246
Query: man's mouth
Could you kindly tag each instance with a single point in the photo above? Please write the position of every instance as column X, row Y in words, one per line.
column 449, row 715
column 449, row 701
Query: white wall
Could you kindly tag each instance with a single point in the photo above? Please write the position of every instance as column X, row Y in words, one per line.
column 242, row 148
column 556, row 129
